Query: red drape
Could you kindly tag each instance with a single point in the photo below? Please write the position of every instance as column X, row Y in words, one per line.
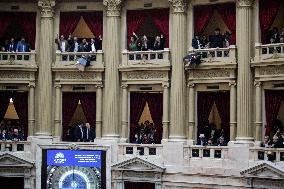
column 155, row 102
column 272, row 105
column 228, row 14
column 20, row 101
column 202, row 16
column 94, row 20
column 267, row 13
column 5, row 21
column 68, row 22
column 88, row 102
column 137, row 104
column 69, row 105
column 161, row 20
column 135, row 18
column 4, row 101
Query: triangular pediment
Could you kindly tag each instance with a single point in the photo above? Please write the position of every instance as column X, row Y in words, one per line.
column 265, row 169
column 137, row 164
column 9, row 160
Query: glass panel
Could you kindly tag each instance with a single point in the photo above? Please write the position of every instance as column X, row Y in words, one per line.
column 152, row 151
column 129, row 150
column 195, row 153
column 217, row 153
column 260, row 155
column 206, row 153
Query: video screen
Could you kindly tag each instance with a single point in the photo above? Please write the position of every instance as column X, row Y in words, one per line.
column 70, row 169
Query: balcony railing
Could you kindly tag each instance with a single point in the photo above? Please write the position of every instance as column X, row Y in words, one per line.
column 132, row 58
column 17, row 58
column 217, row 55
column 268, row 52
column 267, row 154
column 15, row 146
column 70, row 58
column 205, row 152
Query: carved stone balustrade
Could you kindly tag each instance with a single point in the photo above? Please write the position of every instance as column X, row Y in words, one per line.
column 18, row 60
column 275, row 155
column 145, row 58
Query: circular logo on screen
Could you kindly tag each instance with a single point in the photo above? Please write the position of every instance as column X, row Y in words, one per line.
column 59, row 158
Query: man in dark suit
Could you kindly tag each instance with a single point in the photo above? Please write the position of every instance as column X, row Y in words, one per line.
column 84, row 46
column 99, row 42
column 12, row 46
column 162, row 42
column 22, row 46
column 216, row 40
column 79, row 133
column 63, row 45
column 196, row 44
column 89, row 133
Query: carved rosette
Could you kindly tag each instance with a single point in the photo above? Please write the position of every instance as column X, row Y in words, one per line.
column 178, row 6
column 245, row 3
column 47, row 8
column 113, row 7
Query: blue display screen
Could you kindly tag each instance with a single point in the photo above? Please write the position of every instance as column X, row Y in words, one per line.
column 74, row 158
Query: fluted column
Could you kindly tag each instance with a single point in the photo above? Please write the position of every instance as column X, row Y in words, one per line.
column 178, row 51
column 44, row 72
column 244, row 90
column 31, row 109
column 258, row 111
column 99, row 109
column 124, row 113
column 233, row 110
column 57, row 115
column 166, row 120
column 191, row 111
column 112, row 58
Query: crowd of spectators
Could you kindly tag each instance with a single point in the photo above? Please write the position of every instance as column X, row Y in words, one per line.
column 276, row 138
column 138, row 43
column 217, row 40
column 145, row 133
column 211, row 136
column 15, row 46
column 274, row 36
column 11, row 130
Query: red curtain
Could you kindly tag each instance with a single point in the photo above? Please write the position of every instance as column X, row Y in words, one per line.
column 155, row 102
column 268, row 11
column 5, row 21
column 94, row 20
column 69, row 105
column 20, row 101
column 272, row 105
column 68, row 22
column 88, row 102
column 4, row 101
column 161, row 20
column 205, row 101
column 135, row 18
column 137, row 104
column 228, row 14
column 202, row 16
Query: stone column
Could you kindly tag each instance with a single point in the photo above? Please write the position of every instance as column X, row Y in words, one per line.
column 99, row 99
column 191, row 112
column 244, row 91
column 233, row 110
column 166, row 120
column 31, row 109
column 178, row 51
column 44, row 71
column 112, row 58
column 57, row 115
column 124, row 113
column 258, row 111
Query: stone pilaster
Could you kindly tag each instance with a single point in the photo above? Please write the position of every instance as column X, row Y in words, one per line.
column 233, row 110
column 178, row 51
column 99, row 108
column 44, row 72
column 112, row 58
column 166, row 102
column 31, row 109
column 57, row 114
column 244, row 90
column 191, row 112
column 258, row 111
column 124, row 113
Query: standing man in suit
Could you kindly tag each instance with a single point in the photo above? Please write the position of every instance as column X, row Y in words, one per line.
column 79, row 133
column 196, row 44
column 63, row 45
column 99, row 42
column 216, row 40
column 12, row 45
column 89, row 133
column 22, row 46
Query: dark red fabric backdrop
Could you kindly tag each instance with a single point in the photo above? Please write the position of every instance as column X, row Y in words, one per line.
column 268, row 10
column 69, row 21
column 88, row 102
column 20, row 101
column 202, row 16
column 4, row 101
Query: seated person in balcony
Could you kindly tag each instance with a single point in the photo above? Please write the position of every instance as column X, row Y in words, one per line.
column 266, row 143
column 276, row 143
column 4, row 135
column 196, row 43
column 210, row 142
column 12, row 45
column 133, row 42
column 157, row 44
column 79, row 132
column 17, row 136
column 89, row 133
column 221, row 141
column 201, row 140
column 22, row 46
column 144, row 43
column 216, row 40
column 63, row 45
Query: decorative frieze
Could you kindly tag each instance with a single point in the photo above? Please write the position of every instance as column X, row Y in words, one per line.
column 178, row 6
column 113, row 7
column 209, row 73
column 14, row 75
column 271, row 70
column 146, row 75
column 77, row 75
column 46, row 7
